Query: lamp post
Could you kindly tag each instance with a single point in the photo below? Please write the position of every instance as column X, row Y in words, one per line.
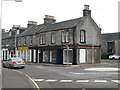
column 1, row 38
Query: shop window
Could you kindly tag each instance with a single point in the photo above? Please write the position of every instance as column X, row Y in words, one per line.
column 53, row 56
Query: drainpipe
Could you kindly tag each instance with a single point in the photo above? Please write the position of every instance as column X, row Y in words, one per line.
column 74, row 48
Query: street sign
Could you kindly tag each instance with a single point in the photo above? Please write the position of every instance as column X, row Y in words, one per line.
column 22, row 48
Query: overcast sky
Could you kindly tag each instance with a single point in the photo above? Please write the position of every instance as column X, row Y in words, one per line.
column 104, row 12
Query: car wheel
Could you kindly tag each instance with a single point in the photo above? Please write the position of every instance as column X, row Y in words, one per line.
column 10, row 66
column 3, row 65
column 113, row 58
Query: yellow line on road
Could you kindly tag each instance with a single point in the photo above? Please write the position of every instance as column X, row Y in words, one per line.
column 29, row 78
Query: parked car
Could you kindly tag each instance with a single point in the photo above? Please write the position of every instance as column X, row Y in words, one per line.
column 113, row 57
column 14, row 62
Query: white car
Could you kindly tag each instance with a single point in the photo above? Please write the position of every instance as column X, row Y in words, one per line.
column 14, row 62
column 113, row 57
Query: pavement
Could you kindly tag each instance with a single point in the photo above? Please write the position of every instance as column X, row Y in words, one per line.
column 104, row 63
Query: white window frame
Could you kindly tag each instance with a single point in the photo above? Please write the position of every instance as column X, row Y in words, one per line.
column 53, row 40
column 82, row 36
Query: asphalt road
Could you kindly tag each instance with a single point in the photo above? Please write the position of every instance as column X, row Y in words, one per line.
column 89, row 77
column 12, row 79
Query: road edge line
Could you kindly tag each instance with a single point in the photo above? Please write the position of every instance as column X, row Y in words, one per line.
column 29, row 78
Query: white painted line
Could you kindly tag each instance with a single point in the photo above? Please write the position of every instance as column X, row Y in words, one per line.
column 103, row 69
column 29, row 78
column 39, row 80
column 65, row 80
column 82, row 81
column 100, row 81
column 116, row 81
column 51, row 80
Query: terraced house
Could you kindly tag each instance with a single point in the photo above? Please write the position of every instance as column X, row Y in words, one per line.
column 72, row 41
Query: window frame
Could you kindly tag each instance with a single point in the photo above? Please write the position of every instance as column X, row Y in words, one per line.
column 82, row 36
column 53, row 38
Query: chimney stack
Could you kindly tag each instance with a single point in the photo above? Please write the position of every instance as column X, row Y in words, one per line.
column 86, row 11
column 30, row 23
column 49, row 19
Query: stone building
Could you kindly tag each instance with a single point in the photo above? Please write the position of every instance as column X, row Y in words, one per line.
column 73, row 41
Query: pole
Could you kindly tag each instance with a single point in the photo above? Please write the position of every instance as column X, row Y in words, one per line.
column 67, row 55
column 0, row 45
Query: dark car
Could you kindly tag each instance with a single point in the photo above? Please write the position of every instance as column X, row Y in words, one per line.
column 14, row 62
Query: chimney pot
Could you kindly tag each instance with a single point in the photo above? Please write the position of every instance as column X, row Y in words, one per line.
column 86, row 7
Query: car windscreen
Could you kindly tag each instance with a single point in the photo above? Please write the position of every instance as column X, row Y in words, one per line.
column 17, row 59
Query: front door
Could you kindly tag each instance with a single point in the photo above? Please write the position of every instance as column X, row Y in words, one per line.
column 82, row 55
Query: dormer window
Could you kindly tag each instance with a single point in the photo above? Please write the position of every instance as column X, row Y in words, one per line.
column 82, row 36
column 53, row 38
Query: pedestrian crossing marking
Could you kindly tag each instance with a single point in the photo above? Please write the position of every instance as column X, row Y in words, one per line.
column 82, row 81
column 51, row 80
column 78, row 81
column 100, row 81
column 39, row 80
column 116, row 81
column 65, row 80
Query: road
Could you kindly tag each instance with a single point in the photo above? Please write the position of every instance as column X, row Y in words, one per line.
column 88, row 78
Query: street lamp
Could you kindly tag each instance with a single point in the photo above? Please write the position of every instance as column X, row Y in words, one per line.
column 1, row 38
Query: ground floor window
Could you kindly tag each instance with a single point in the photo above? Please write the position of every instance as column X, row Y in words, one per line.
column 67, row 56
column 45, row 56
column 53, row 56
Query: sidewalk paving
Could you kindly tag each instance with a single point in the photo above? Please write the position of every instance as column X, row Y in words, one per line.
column 102, row 64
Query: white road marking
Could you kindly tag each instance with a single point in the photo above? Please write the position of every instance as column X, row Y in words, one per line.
column 103, row 69
column 51, row 80
column 65, row 80
column 116, row 81
column 39, row 80
column 82, row 81
column 88, row 73
column 100, row 81
column 29, row 78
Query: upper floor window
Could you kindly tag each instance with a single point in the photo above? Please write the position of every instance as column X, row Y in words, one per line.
column 24, row 40
column 65, row 36
column 18, row 31
column 53, row 37
column 42, row 39
column 19, row 42
column 82, row 36
column 31, row 40
column 10, row 33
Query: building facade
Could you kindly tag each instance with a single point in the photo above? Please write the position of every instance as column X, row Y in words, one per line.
column 110, row 43
column 72, row 41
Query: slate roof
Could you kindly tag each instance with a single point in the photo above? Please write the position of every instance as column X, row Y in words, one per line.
column 5, row 35
column 111, row 36
column 32, row 30
column 62, row 25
